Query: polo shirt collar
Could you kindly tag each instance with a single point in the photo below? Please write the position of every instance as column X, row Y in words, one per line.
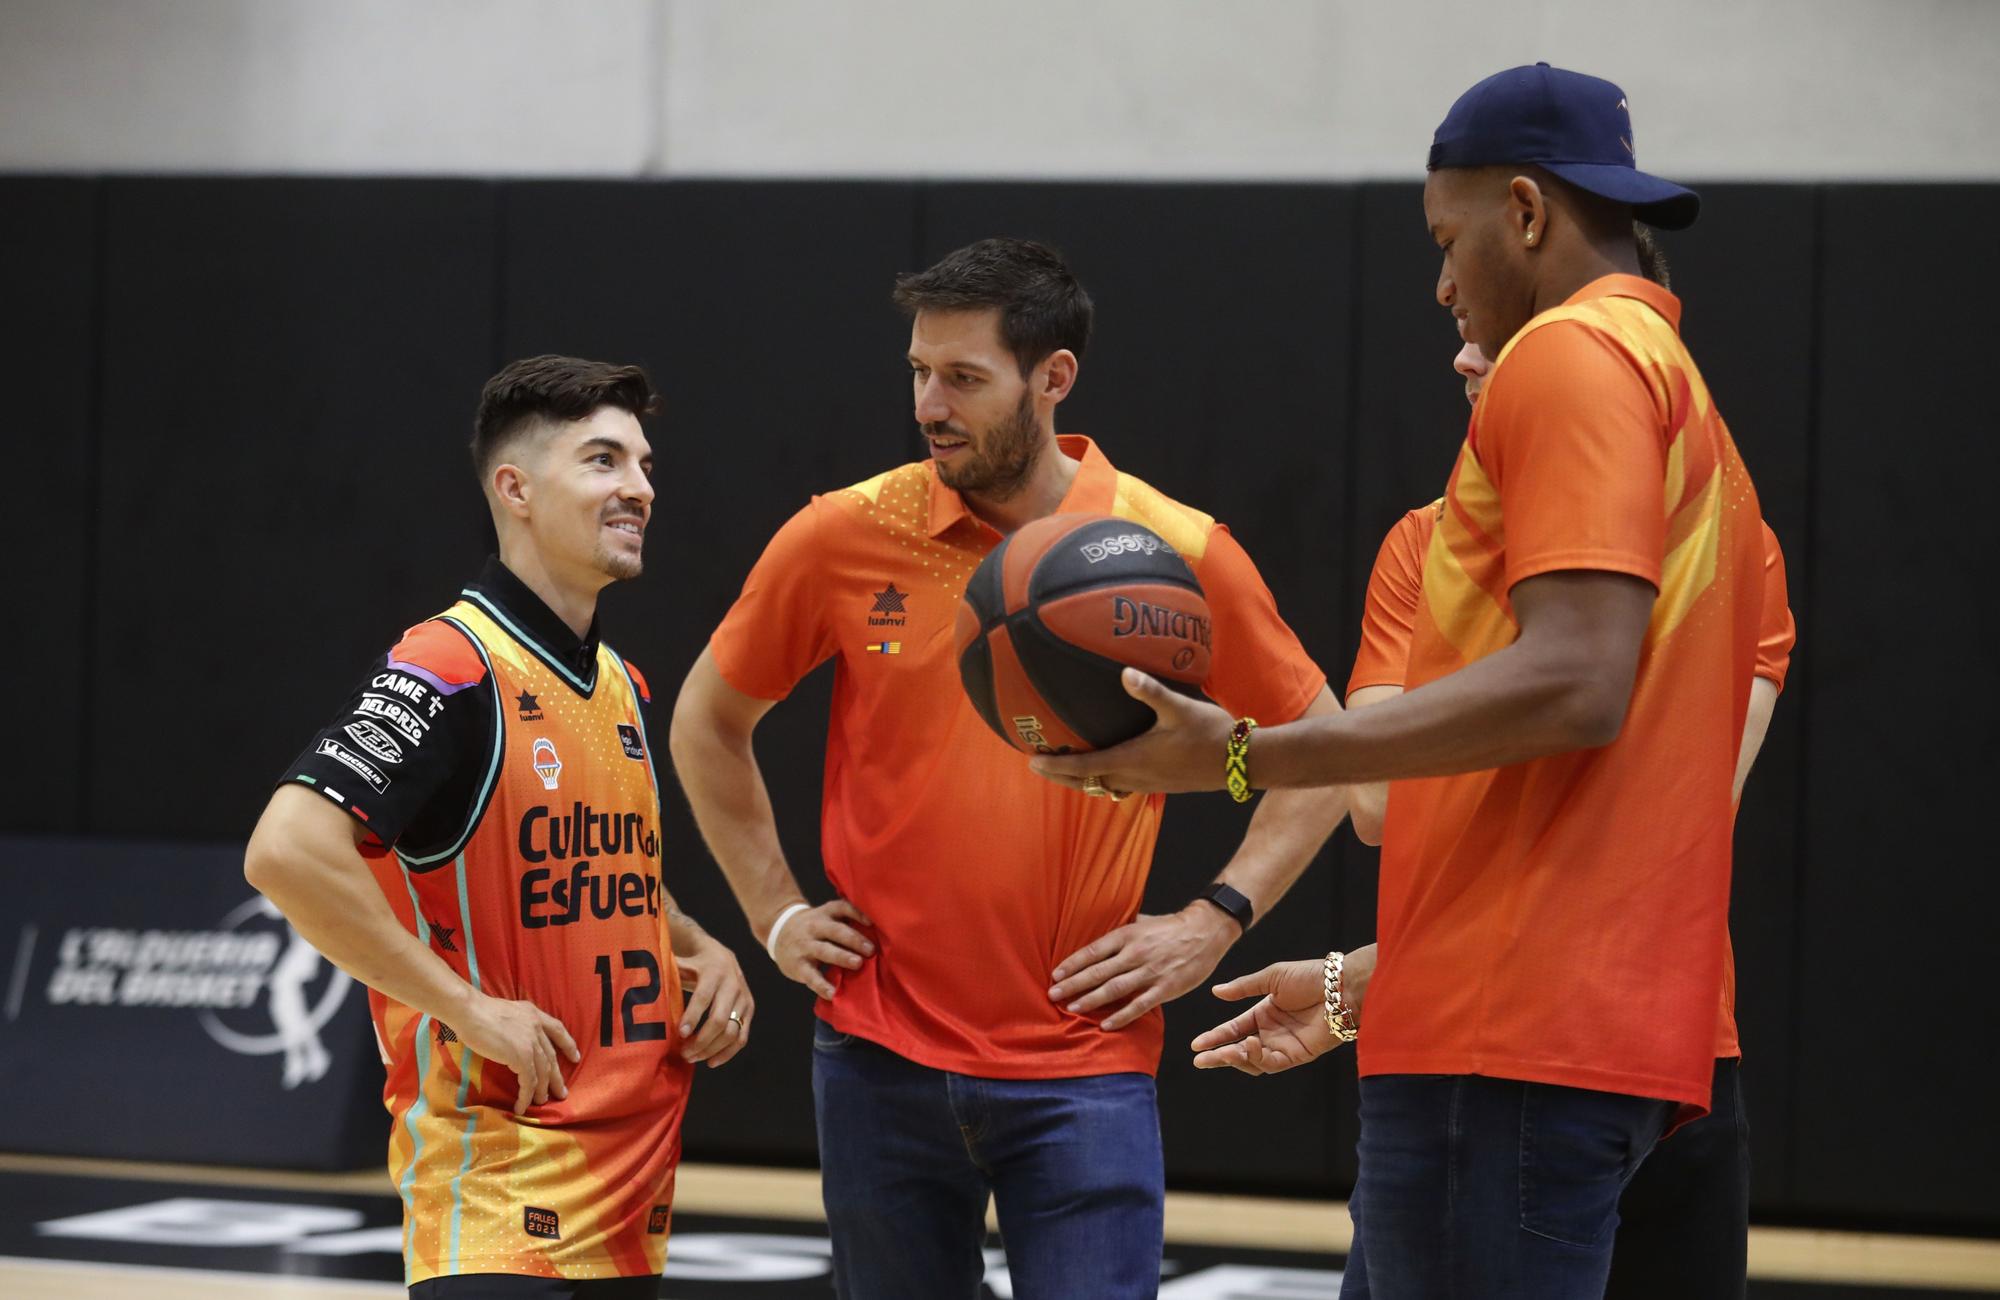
column 1655, row 296
column 537, row 626
column 1093, row 490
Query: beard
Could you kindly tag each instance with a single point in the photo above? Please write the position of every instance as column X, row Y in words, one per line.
column 619, row 566
column 995, row 465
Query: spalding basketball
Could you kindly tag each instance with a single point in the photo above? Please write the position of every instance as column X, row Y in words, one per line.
column 1054, row 613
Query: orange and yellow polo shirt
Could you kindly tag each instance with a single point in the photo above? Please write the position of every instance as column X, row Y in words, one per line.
column 979, row 875
column 1395, row 590
column 1564, row 920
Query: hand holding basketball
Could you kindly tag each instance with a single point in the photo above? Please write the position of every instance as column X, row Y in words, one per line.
column 1183, row 750
column 1053, row 614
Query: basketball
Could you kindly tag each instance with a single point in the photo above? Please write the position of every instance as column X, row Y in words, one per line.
column 1053, row 615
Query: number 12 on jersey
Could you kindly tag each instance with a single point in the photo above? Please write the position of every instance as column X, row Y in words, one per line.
column 640, row 995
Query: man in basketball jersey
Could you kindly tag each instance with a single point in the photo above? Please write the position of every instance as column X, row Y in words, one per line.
column 476, row 837
column 949, row 1062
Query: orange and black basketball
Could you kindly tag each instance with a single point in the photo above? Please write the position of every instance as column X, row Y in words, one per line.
column 1057, row 610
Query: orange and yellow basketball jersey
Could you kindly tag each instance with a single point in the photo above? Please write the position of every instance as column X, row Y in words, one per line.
column 551, row 894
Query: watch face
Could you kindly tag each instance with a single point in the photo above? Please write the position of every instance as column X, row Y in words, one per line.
column 1232, row 902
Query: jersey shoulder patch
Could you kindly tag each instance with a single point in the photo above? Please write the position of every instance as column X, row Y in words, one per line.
column 1185, row 528
column 898, row 481
column 897, row 499
column 638, row 679
column 438, row 653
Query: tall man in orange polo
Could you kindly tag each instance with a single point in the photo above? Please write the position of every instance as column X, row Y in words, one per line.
column 1683, row 1220
column 1555, row 873
column 987, row 1018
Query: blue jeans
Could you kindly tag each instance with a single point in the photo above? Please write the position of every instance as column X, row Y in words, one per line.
column 1684, row 1221
column 908, row 1155
column 1491, row 1189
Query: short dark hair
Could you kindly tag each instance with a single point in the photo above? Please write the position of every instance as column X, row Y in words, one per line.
column 1652, row 258
column 1042, row 307
column 553, row 389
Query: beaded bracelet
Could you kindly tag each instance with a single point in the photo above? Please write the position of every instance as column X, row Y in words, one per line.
column 1236, row 763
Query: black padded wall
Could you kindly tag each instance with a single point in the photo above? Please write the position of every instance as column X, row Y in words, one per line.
column 289, row 371
column 49, row 232
column 1896, row 895
column 251, row 398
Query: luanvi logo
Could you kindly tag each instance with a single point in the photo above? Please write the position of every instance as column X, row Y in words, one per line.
column 888, row 610
column 528, row 707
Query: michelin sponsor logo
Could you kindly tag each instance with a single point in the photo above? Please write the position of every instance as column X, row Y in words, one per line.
column 379, row 743
column 258, row 987
column 356, row 764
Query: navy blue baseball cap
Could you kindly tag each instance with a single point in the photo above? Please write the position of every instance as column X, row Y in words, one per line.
column 1572, row 125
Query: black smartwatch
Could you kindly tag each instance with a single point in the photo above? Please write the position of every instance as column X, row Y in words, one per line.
column 1231, row 902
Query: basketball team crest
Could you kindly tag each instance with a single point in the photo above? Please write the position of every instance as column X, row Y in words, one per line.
column 547, row 765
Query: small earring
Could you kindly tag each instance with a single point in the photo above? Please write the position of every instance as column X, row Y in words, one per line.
column 1531, row 236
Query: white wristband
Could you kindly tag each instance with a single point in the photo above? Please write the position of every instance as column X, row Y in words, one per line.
column 771, row 940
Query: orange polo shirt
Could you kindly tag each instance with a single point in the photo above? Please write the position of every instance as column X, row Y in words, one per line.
column 1564, row 920
column 1395, row 589
column 979, row 875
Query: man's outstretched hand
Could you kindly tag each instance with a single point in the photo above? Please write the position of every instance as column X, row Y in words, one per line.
column 1287, row 1026
column 1184, row 750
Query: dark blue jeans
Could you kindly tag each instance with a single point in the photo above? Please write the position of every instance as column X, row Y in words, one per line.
column 1684, row 1221
column 908, row 1155
column 1491, row 1189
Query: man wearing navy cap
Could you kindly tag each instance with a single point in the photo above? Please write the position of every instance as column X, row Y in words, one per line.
column 1556, row 855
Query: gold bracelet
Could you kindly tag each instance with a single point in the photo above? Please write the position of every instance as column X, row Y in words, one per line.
column 1236, row 763
column 1339, row 1016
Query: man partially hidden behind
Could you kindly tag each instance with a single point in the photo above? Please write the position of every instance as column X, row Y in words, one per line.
column 1556, row 858
column 476, row 837
column 988, row 1015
